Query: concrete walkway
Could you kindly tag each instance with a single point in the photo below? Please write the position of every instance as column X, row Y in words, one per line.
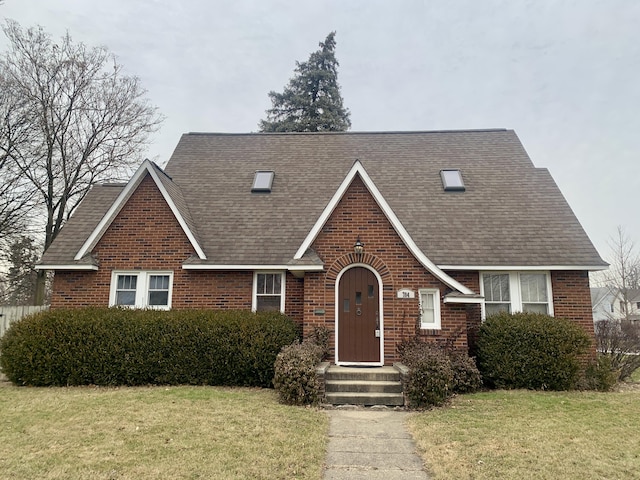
column 372, row 444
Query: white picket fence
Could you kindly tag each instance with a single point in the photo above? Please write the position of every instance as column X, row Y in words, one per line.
column 12, row 314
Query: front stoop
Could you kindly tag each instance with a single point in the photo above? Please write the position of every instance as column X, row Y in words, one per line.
column 363, row 386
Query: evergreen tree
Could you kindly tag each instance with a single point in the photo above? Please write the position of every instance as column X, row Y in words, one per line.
column 20, row 288
column 311, row 102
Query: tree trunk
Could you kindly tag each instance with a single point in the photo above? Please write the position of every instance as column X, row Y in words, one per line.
column 41, row 287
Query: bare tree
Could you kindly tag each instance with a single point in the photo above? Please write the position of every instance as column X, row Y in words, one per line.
column 623, row 276
column 88, row 121
column 17, row 197
column 618, row 337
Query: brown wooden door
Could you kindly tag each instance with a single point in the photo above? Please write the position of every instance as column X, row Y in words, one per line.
column 358, row 316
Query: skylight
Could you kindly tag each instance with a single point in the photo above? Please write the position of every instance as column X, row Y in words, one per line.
column 262, row 181
column 452, row 180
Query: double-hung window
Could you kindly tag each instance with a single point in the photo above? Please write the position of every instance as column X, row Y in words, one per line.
column 516, row 292
column 268, row 291
column 141, row 289
column 429, row 308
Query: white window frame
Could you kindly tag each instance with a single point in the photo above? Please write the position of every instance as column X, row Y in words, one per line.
column 142, row 288
column 515, row 290
column 283, row 288
column 437, row 323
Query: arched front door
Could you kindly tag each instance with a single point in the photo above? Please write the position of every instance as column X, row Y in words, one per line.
column 358, row 317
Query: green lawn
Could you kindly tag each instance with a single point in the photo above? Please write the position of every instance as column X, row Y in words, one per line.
column 157, row 432
column 209, row 432
column 532, row 435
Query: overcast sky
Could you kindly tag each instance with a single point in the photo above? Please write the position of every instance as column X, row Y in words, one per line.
column 565, row 75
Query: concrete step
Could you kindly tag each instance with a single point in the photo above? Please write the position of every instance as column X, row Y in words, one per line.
column 380, row 374
column 364, row 398
column 363, row 386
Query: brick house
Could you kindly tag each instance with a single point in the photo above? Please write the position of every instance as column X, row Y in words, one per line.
column 378, row 236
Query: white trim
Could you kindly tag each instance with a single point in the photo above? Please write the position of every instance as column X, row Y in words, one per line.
column 522, row 268
column 142, row 287
column 515, row 294
column 380, row 315
column 291, row 268
column 66, row 267
column 200, row 266
column 437, row 320
column 358, row 169
column 306, row 268
column 465, row 300
column 122, row 199
column 254, row 291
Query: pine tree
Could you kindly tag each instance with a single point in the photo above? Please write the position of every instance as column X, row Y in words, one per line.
column 20, row 288
column 311, row 102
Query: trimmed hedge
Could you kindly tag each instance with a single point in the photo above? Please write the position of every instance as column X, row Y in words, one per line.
column 113, row 346
column 531, row 350
column 436, row 373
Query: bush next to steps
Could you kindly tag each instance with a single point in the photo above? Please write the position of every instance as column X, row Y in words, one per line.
column 436, row 373
column 115, row 346
column 295, row 378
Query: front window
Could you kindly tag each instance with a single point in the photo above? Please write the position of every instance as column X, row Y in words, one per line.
column 158, row 290
column 429, row 308
column 268, row 291
column 516, row 292
column 496, row 293
column 126, row 290
column 533, row 288
column 141, row 289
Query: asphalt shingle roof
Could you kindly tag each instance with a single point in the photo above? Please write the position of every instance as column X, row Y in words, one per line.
column 511, row 213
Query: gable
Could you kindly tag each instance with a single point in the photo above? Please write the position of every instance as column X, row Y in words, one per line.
column 358, row 219
column 145, row 232
column 147, row 169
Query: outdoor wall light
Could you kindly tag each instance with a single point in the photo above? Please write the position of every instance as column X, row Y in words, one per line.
column 358, row 247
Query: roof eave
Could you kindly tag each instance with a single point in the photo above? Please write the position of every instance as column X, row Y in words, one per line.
column 66, row 267
column 591, row 268
column 253, row 266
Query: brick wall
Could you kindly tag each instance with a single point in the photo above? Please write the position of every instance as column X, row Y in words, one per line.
column 358, row 215
column 572, row 299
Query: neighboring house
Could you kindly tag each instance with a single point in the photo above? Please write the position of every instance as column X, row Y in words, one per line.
column 378, row 236
column 609, row 303
column 602, row 303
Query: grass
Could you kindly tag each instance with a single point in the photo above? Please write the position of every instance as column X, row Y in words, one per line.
column 157, row 432
column 533, row 435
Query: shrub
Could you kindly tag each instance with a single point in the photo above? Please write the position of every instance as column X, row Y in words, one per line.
column 114, row 346
column 435, row 373
column 430, row 379
column 530, row 350
column 466, row 376
column 295, row 379
column 320, row 336
column 619, row 340
column 600, row 375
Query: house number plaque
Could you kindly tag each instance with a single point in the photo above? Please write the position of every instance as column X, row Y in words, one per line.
column 406, row 293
